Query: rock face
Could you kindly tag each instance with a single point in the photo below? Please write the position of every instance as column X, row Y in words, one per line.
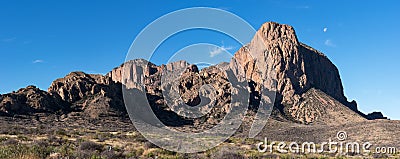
column 274, row 59
column 317, row 106
column 376, row 115
column 307, row 84
column 31, row 100
column 170, row 86
column 133, row 72
column 77, row 85
column 297, row 68
column 96, row 95
column 276, row 50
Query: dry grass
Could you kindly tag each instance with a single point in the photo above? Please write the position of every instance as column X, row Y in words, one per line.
column 85, row 140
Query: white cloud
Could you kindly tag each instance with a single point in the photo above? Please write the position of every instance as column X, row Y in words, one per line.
column 27, row 42
column 38, row 61
column 325, row 29
column 303, row 7
column 218, row 50
column 9, row 39
column 329, row 42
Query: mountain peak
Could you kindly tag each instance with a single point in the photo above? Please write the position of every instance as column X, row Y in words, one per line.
column 272, row 31
column 276, row 50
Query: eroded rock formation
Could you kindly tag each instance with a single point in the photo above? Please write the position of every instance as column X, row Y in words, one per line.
column 307, row 84
column 31, row 100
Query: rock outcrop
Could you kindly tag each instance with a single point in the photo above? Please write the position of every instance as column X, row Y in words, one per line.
column 317, row 106
column 274, row 59
column 31, row 100
column 77, row 85
column 297, row 67
column 307, row 85
column 170, row 86
column 276, row 52
column 375, row 115
column 96, row 95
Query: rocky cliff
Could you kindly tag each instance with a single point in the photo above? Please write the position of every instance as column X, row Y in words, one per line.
column 274, row 59
column 95, row 95
column 31, row 100
column 307, row 84
column 297, row 67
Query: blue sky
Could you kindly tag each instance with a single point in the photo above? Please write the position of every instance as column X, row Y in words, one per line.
column 44, row 40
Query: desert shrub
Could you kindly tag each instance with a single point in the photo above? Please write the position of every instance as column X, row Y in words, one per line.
column 150, row 155
column 22, row 138
column 249, row 141
column 166, row 152
column 191, row 156
column 139, row 138
column 16, row 130
column 110, row 154
column 149, row 145
column 101, row 137
column 41, row 130
column 135, row 153
column 53, row 140
column 11, row 141
column 227, row 153
column 380, row 155
column 66, row 149
column 268, row 155
column 86, row 154
column 60, row 132
column 42, row 143
column 11, row 131
column 42, row 151
column 2, row 139
column 24, row 151
column 95, row 156
column 77, row 133
column 286, row 156
column 88, row 149
column 253, row 154
column 88, row 145
column 27, row 156
column 12, row 151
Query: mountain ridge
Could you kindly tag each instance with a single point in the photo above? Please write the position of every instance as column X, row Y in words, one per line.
column 299, row 68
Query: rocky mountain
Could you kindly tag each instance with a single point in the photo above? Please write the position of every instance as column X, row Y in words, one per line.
column 298, row 69
column 275, row 49
column 96, row 95
column 31, row 100
column 307, row 84
column 178, row 77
